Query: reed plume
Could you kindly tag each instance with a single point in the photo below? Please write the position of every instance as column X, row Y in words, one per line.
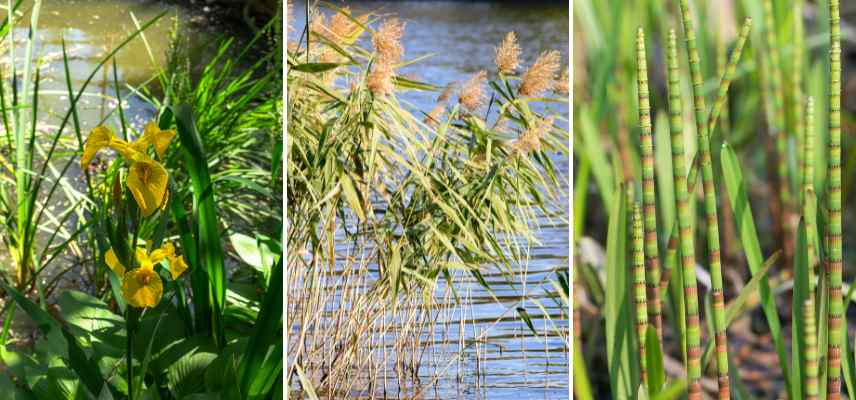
column 541, row 76
column 471, row 96
column 563, row 83
column 387, row 42
column 530, row 140
column 507, row 55
column 388, row 53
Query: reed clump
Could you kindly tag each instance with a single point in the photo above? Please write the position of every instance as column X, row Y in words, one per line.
column 392, row 210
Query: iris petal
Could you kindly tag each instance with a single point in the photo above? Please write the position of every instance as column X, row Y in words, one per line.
column 147, row 181
column 113, row 262
column 142, row 287
column 159, row 138
column 98, row 138
column 177, row 266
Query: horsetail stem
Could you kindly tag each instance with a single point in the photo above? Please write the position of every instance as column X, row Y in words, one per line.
column 686, row 236
column 728, row 75
column 835, row 323
column 796, row 80
column 649, row 198
column 710, row 210
column 639, row 287
column 808, row 190
column 811, row 364
column 672, row 245
column 777, row 124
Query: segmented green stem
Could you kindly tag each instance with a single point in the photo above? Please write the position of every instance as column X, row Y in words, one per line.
column 709, row 192
column 836, row 323
column 797, row 91
column 686, row 234
column 778, row 122
column 728, row 75
column 812, row 389
column 639, row 287
column 809, row 203
column 649, row 198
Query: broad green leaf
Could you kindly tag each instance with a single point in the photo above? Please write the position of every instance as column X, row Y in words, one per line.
column 186, row 376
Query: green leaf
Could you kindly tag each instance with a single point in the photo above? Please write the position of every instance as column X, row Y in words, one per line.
column 187, row 375
column 654, row 362
column 673, row 391
column 352, row 197
column 619, row 322
column 595, row 151
column 528, row 320
column 85, row 368
column 262, row 363
column 314, row 67
column 208, row 239
column 253, row 252
column 745, row 222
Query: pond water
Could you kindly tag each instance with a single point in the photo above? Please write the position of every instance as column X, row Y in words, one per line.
column 513, row 363
column 91, row 29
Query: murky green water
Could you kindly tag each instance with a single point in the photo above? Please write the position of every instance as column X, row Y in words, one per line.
column 512, row 363
column 91, row 29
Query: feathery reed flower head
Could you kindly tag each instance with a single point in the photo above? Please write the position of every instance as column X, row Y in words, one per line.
column 318, row 26
column 507, row 54
column 388, row 52
column 472, row 95
column 379, row 80
column 433, row 117
column 541, row 75
column 563, row 83
column 530, row 140
column 447, row 93
column 344, row 27
column 387, row 42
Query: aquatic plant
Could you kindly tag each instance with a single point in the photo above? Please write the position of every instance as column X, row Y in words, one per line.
column 430, row 199
column 698, row 309
column 151, row 226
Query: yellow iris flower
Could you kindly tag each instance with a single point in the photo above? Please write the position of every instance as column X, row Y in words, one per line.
column 147, row 178
column 142, row 286
column 147, row 181
column 154, row 136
